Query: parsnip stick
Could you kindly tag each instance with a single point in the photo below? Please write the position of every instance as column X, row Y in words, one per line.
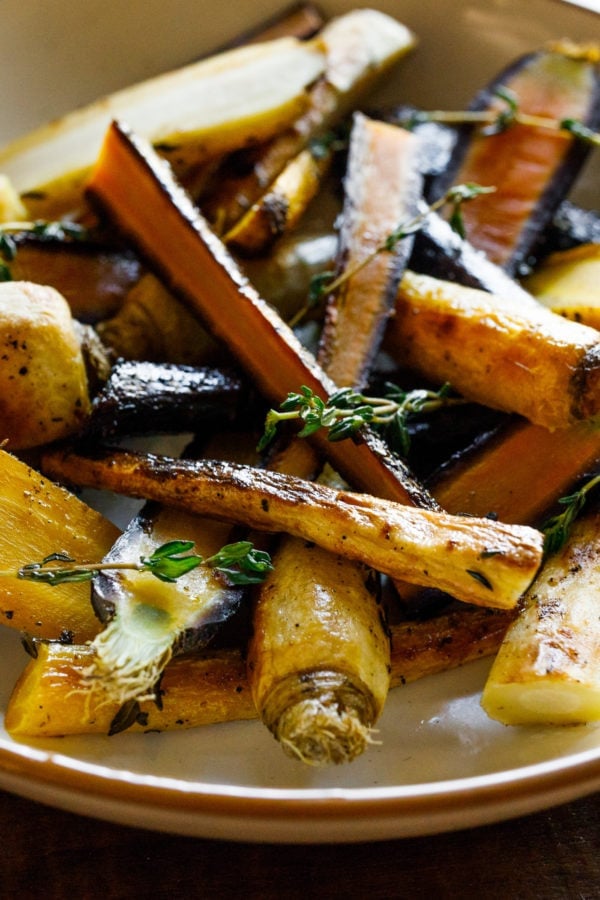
column 475, row 560
column 496, row 352
column 548, row 667
column 51, row 697
column 360, row 48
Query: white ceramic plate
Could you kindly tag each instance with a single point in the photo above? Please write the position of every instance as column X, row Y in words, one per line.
column 442, row 764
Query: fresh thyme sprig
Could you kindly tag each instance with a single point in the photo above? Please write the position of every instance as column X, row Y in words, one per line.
column 557, row 528
column 61, row 231
column 497, row 121
column 240, row 563
column 346, row 411
column 327, row 283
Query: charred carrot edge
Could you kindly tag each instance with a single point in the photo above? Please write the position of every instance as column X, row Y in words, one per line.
column 519, row 472
column 128, row 181
column 212, row 687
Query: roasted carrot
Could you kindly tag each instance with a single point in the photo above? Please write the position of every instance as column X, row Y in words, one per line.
column 194, row 263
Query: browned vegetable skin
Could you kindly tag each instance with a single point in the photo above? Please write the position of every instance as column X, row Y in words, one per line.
column 318, row 656
column 548, row 667
column 282, row 207
column 531, row 167
column 475, row 560
column 127, row 181
column 511, row 356
column 359, row 48
column 39, row 518
column 212, row 686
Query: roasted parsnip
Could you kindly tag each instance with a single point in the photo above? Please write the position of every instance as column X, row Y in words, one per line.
column 51, row 698
column 475, row 560
column 247, row 94
column 360, row 48
column 43, row 384
column 318, row 665
column 280, row 210
column 568, row 283
column 548, row 667
column 510, row 356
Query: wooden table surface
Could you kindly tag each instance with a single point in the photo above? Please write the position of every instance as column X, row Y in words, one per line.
column 553, row 855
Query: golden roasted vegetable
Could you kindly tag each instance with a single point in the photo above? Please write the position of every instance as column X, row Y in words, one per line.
column 51, row 697
column 475, row 560
column 568, row 283
column 43, row 383
column 511, row 356
column 319, row 664
column 281, row 208
column 548, row 668
column 40, row 518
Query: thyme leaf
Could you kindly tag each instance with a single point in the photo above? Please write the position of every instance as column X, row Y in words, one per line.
column 556, row 529
column 240, row 563
column 347, row 411
column 326, row 283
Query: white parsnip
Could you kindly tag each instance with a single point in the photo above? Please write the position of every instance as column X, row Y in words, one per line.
column 548, row 667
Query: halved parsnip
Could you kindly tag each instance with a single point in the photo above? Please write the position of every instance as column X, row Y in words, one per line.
column 198, row 111
column 507, row 355
column 548, row 667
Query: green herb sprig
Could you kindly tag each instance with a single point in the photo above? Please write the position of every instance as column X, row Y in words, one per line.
column 496, row 121
column 240, row 563
column 346, row 411
column 557, row 528
column 326, row 283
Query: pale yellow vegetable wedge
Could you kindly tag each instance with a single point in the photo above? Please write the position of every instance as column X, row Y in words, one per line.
column 40, row 518
column 194, row 113
column 568, row 283
column 547, row 670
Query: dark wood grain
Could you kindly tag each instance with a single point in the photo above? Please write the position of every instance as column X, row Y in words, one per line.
column 552, row 855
